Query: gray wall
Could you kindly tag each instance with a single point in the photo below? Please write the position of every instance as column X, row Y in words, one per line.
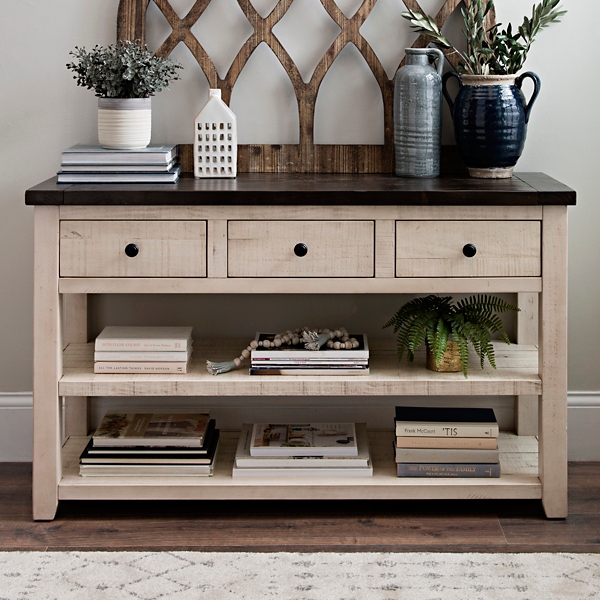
column 42, row 112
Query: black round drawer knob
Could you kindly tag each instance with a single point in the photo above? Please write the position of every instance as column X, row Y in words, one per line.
column 131, row 250
column 469, row 250
column 300, row 250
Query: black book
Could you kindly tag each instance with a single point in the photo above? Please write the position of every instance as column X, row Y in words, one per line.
column 181, row 456
column 435, row 414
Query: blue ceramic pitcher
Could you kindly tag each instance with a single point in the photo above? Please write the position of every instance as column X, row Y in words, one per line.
column 490, row 117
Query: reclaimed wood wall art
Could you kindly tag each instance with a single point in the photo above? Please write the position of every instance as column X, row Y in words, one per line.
column 305, row 157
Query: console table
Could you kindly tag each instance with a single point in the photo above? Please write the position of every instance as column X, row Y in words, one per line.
column 372, row 234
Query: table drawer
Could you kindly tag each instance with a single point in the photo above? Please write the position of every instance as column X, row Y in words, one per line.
column 444, row 249
column 301, row 249
column 164, row 249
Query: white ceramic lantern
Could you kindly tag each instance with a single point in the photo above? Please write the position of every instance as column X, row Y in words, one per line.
column 215, row 139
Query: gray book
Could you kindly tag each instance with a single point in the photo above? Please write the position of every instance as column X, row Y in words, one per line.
column 447, row 470
column 446, row 455
column 92, row 154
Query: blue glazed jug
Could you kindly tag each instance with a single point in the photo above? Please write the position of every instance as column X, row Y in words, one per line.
column 418, row 114
column 490, row 117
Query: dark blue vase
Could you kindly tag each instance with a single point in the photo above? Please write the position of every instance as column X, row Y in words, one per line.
column 490, row 117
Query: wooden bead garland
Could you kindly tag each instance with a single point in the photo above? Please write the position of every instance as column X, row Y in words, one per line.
column 313, row 339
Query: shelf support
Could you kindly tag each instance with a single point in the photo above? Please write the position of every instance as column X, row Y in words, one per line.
column 75, row 319
column 553, row 363
column 47, row 364
column 526, row 409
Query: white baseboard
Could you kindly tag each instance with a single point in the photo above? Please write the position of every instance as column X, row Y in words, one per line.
column 16, row 426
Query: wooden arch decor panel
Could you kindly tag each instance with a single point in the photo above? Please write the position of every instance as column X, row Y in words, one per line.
column 305, row 157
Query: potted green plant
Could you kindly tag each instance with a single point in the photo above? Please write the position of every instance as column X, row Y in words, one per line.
column 490, row 113
column 447, row 329
column 124, row 77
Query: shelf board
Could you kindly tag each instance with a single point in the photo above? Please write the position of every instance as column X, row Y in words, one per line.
column 518, row 459
column 516, row 374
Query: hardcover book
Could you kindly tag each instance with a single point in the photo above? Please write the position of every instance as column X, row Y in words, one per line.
column 184, row 456
column 446, row 455
column 96, row 168
column 146, row 429
column 90, row 154
column 446, row 442
column 144, row 338
column 148, row 356
column 447, row 470
column 140, row 367
column 170, row 176
column 244, row 459
column 309, row 370
column 157, row 451
column 304, row 439
column 445, row 422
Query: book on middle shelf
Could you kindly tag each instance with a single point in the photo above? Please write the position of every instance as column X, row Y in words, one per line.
column 138, row 349
column 297, row 360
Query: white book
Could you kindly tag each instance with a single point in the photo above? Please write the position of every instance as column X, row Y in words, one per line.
column 244, row 459
column 140, row 367
column 308, row 472
column 141, row 168
column 144, row 470
column 304, row 439
column 134, row 355
column 143, row 338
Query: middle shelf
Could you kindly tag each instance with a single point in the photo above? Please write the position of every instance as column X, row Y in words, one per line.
column 516, row 374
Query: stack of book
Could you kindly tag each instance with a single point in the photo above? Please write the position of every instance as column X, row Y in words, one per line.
column 94, row 164
column 143, row 350
column 446, row 442
column 308, row 449
column 146, row 444
column 296, row 360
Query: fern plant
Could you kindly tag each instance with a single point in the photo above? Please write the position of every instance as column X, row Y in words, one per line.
column 490, row 50
column 435, row 320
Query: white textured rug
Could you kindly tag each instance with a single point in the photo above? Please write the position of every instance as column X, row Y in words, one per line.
column 290, row 576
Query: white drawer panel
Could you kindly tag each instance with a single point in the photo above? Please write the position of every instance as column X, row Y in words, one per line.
column 437, row 248
column 274, row 249
column 164, row 248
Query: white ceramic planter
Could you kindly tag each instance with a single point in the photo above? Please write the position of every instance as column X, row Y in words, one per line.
column 124, row 123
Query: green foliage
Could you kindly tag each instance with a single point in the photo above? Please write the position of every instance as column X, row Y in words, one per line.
column 436, row 319
column 490, row 51
column 124, row 70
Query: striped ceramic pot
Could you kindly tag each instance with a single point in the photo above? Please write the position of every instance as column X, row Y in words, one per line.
column 124, row 123
column 490, row 117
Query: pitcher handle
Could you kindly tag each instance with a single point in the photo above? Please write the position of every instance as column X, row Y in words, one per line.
column 445, row 79
column 537, row 85
column 439, row 56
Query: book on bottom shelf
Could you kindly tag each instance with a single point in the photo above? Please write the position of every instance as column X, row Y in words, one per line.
column 183, row 463
column 421, row 421
column 309, row 370
column 303, row 439
column 447, row 470
column 151, row 429
column 447, row 442
column 446, row 455
column 243, row 458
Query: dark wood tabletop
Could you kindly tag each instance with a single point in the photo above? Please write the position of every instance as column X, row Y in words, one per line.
column 270, row 189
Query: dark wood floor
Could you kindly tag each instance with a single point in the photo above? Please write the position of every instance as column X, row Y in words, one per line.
column 302, row 526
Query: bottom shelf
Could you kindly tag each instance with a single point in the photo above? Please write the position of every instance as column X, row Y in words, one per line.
column 518, row 459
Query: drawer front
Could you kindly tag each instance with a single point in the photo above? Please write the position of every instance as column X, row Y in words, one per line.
column 301, row 249
column 164, row 248
column 442, row 248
